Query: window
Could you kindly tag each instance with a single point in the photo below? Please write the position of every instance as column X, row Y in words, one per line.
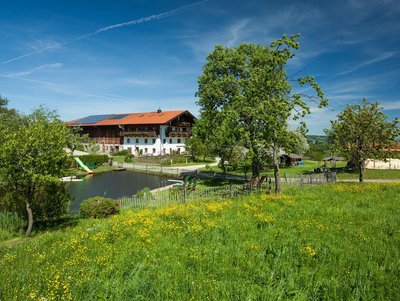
column 154, row 141
column 154, row 150
column 170, row 141
column 164, row 141
column 137, row 141
column 128, row 140
column 179, row 141
column 145, row 150
column 145, row 141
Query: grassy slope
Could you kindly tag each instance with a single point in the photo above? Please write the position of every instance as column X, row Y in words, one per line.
column 326, row 242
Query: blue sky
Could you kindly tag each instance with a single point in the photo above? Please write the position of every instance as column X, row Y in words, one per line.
column 69, row 56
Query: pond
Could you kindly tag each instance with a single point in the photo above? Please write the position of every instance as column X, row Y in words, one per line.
column 113, row 184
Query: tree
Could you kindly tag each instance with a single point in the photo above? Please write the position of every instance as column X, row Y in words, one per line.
column 245, row 96
column 32, row 160
column 362, row 132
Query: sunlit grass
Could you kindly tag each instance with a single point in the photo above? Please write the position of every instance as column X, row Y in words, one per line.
column 326, row 242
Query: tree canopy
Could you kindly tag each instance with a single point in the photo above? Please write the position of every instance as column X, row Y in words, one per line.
column 246, row 98
column 32, row 160
column 362, row 132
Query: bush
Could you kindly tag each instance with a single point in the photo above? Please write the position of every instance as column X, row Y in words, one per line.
column 93, row 158
column 99, row 207
column 129, row 158
column 50, row 201
column 144, row 193
column 124, row 152
column 10, row 225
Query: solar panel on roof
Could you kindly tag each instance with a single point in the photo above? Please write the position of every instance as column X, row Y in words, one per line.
column 92, row 119
column 118, row 116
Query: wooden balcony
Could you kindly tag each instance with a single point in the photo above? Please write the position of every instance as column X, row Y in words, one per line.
column 138, row 134
column 105, row 140
column 178, row 134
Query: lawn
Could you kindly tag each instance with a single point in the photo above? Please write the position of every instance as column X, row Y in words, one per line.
column 372, row 174
column 309, row 165
column 338, row 241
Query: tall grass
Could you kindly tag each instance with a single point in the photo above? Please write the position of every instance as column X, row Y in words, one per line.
column 327, row 242
column 10, row 225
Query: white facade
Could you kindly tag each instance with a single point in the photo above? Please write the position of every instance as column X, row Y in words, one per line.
column 381, row 164
column 153, row 146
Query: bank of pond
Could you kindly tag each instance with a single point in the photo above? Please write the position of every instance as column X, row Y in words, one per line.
column 113, row 184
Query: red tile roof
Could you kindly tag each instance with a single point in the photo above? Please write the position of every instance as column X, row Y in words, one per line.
column 162, row 117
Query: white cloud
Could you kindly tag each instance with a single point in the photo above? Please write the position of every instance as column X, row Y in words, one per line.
column 107, row 28
column 140, row 82
column 379, row 58
column 33, row 70
column 391, row 105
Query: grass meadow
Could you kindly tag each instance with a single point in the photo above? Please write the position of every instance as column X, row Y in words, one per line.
column 327, row 242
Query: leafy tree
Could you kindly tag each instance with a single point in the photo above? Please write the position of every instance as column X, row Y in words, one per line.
column 196, row 147
column 32, row 159
column 299, row 143
column 362, row 132
column 246, row 98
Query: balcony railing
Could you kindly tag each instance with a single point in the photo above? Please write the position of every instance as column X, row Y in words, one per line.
column 105, row 140
column 138, row 133
column 178, row 134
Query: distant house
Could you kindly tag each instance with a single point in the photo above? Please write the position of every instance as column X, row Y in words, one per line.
column 392, row 162
column 290, row 159
column 149, row 133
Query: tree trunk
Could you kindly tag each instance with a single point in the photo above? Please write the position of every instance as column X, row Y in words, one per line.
column 276, row 172
column 362, row 172
column 30, row 219
column 256, row 167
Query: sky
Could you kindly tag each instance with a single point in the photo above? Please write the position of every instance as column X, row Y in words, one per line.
column 97, row 57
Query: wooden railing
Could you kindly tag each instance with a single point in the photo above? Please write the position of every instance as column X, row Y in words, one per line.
column 138, row 133
column 178, row 134
column 105, row 140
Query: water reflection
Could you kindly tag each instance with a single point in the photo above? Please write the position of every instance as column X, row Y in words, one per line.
column 114, row 184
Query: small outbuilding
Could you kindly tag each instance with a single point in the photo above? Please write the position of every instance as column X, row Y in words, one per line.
column 290, row 159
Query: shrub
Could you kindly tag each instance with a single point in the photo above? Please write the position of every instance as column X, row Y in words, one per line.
column 144, row 193
column 50, row 201
column 129, row 158
column 10, row 225
column 99, row 207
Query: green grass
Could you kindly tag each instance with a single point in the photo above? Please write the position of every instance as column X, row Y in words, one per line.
column 118, row 158
column 79, row 171
column 372, row 174
column 309, row 165
column 328, row 242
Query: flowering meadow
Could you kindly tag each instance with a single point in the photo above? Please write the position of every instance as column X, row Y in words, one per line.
column 326, row 242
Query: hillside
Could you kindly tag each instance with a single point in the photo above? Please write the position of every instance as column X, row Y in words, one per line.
column 328, row 242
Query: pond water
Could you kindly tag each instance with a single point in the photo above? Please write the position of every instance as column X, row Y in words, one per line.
column 113, row 184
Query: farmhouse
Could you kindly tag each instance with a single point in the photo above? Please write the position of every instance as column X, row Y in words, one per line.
column 147, row 134
column 391, row 162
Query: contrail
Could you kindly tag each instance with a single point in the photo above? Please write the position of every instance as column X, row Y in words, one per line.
column 129, row 23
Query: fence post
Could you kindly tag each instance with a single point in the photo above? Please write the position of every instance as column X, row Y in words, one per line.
column 160, row 168
column 285, row 177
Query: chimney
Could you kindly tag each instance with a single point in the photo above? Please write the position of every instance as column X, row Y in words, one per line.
column 159, row 110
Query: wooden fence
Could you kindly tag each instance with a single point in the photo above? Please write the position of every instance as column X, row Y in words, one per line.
column 185, row 195
column 229, row 191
